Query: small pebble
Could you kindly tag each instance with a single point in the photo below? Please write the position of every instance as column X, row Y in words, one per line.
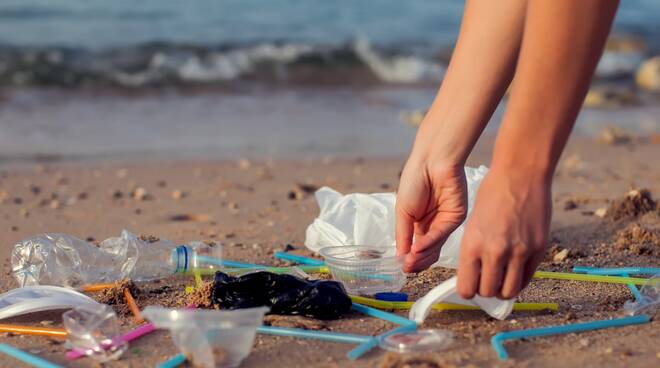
column 244, row 164
column 561, row 256
column 177, row 194
column 585, row 342
column 55, row 204
column 140, row 194
column 601, row 212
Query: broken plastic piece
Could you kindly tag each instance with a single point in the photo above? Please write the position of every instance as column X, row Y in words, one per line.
column 365, row 270
column 96, row 331
column 648, row 299
column 40, row 298
column 497, row 341
column 284, row 294
column 446, row 292
column 406, row 326
column 417, row 341
column 210, row 338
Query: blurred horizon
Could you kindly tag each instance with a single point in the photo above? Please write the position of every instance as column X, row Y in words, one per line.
column 88, row 79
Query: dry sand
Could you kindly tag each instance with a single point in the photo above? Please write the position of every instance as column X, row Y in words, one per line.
column 256, row 208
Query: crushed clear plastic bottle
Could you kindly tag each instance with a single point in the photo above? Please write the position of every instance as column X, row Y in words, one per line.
column 63, row 260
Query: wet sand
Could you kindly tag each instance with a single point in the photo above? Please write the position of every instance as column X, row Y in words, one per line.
column 256, row 207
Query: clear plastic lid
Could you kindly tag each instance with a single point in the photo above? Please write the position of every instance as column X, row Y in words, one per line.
column 417, row 341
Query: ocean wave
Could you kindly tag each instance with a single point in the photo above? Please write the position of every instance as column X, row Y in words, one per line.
column 158, row 64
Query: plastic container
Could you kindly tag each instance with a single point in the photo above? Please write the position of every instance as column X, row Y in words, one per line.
column 365, row 270
column 648, row 301
column 63, row 260
column 417, row 341
column 95, row 330
column 210, row 338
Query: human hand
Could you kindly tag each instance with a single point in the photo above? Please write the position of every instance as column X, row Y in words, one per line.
column 431, row 203
column 505, row 238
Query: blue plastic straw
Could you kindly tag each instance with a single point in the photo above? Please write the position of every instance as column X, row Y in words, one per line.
column 299, row 259
column 498, row 340
column 26, row 358
column 623, row 271
column 316, row 335
column 175, row 361
column 634, row 290
column 406, row 326
column 390, row 317
column 617, row 271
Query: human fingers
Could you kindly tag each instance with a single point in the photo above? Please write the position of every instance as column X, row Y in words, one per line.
column 404, row 231
column 513, row 277
column 469, row 271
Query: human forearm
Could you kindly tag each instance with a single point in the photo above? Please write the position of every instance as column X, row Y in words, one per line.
column 563, row 40
column 480, row 70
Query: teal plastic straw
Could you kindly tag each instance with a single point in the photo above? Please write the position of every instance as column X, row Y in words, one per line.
column 227, row 263
column 406, row 326
column 497, row 341
column 623, row 271
column 299, row 259
column 377, row 313
column 634, row 290
column 316, row 335
column 175, row 361
column 617, row 271
column 26, row 358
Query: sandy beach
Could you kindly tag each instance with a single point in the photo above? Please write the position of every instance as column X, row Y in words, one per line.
column 257, row 207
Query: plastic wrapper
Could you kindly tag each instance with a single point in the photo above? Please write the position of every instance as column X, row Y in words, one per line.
column 60, row 259
column 210, row 338
column 39, row 298
column 96, row 331
column 369, row 220
column 282, row 293
column 649, row 303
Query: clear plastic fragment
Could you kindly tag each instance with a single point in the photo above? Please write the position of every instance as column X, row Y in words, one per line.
column 96, row 331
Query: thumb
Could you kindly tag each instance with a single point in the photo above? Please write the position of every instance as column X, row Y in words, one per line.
column 404, row 231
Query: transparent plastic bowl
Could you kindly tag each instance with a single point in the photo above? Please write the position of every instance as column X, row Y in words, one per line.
column 210, row 338
column 365, row 270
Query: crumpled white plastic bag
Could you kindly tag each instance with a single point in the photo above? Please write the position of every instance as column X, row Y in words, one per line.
column 368, row 219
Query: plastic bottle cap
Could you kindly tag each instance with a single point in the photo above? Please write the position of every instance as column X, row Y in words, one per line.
column 392, row 296
column 181, row 258
column 417, row 341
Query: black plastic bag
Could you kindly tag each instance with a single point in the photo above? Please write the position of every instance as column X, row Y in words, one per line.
column 284, row 294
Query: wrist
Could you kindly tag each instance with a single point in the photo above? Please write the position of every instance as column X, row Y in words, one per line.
column 439, row 143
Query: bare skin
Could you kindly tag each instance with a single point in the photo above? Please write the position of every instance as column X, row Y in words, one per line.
column 550, row 49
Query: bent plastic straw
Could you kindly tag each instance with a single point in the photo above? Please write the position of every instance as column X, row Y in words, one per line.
column 39, row 331
column 317, row 335
column 299, row 259
column 96, row 287
column 382, row 304
column 132, row 305
column 406, row 326
column 175, row 361
column 591, row 278
column 377, row 313
column 27, row 358
column 127, row 337
column 617, row 271
column 498, row 340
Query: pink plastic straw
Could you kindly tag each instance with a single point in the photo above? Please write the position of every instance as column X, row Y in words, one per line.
column 127, row 337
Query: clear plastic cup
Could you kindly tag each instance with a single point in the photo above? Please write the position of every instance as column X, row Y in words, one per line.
column 365, row 270
column 210, row 338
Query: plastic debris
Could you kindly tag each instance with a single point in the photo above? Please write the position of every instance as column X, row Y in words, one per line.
column 210, row 338
column 40, row 298
column 392, row 296
column 648, row 299
column 406, row 325
column 497, row 341
column 284, row 294
column 365, row 270
column 26, row 358
column 417, row 341
column 446, row 292
column 95, row 331
column 60, row 259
